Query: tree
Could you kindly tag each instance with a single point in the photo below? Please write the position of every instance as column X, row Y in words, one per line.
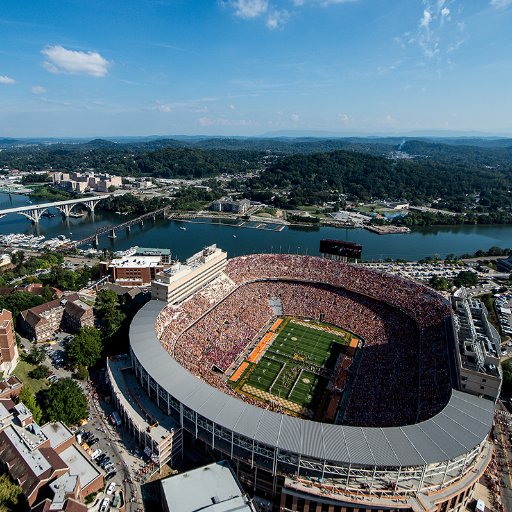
column 439, row 283
column 28, row 398
column 39, row 372
column 10, row 493
column 17, row 257
column 47, row 294
column 82, row 373
column 466, row 278
column 108, row 309
column 16, row 302
column 64, row 401
column 85, row 348
column 507, row 377
column 36, row 355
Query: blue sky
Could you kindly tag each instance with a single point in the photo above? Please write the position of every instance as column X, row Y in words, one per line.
column 248, row 67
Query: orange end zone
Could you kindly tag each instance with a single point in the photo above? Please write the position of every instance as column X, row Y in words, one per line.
column 354, row 342
column 260, row 348
column 276, row 324
column 239, row 371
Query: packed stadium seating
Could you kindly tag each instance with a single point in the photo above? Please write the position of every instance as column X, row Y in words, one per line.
column 403, row 376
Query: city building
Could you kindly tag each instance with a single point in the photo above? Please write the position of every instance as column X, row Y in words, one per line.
column 45, row 461
column 8, row 347
column 212, row 488
column 478, row 347
column 178, row 282
column 70, row 313
column 155, row 432
column 165, row 254
column 86, row 181
column 132, row 270
column 226, row 205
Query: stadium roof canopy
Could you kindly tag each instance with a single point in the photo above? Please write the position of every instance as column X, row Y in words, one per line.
column 460, row 427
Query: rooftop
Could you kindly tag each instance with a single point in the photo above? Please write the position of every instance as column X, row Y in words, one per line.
column 141, row 410
column 136, row 262
column 80, row 465
column 33, row 458
column 212, row 488
column 152, row 250
column 57, row 433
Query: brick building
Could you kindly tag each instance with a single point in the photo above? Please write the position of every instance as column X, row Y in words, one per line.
column 45, row 461
column 133, row 270
column 8, row 348
column 40, row 323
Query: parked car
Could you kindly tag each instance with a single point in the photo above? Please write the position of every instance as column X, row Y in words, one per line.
column 105, row 505
column 96, row 454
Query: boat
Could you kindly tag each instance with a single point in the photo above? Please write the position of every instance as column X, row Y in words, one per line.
column 183, row 228
column 234, row 236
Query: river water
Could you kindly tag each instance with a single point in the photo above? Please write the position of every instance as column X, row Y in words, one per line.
column 420, row 243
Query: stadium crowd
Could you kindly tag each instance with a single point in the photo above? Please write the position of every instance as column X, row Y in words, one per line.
column 401, row 322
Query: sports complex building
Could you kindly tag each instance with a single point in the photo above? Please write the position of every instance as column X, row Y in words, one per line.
column 329, row 386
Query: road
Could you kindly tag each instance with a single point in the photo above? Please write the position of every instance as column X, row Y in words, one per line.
column 504, row 454
column 109, row 442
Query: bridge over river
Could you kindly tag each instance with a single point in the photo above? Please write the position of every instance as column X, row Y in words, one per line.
column 34, row 212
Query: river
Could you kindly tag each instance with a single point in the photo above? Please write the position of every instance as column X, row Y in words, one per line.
column 420, row 243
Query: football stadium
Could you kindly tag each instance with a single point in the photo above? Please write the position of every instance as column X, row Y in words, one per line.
column 329, row 386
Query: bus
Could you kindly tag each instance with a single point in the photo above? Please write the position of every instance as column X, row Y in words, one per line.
column 115, row 419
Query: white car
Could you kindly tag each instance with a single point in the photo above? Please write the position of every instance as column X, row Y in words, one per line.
column 110, row 488
column 105, row 505
column 96, row 454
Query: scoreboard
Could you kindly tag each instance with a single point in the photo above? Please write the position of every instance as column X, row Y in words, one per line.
column 340, row 250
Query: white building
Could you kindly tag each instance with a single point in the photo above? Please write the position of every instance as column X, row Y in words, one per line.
column 478, row 347
column 180, row 281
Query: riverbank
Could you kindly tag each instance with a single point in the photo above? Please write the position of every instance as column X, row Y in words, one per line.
column 416, row 245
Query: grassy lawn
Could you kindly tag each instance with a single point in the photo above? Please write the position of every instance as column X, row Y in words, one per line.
column 22, row 370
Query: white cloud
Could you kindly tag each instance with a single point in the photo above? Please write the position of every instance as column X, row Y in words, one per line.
column 38, row 89
column 7, row 80
column 295, row 118
column 501, row 4
column 435, row 35
column 277, row 19
column 277, row 12
column 232, row 107
column 248, row 9
column 61, row 60
column 344, row 118
column 426, row 19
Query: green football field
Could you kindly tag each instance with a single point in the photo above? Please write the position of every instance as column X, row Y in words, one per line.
column 295, row 368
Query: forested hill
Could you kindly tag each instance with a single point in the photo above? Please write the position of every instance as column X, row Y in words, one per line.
column 174, row 162
column 466, row 154
column 310, row 179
